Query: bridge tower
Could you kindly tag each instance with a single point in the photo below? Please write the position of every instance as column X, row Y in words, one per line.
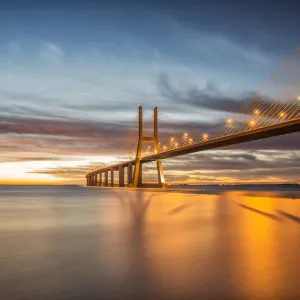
column 138, row 177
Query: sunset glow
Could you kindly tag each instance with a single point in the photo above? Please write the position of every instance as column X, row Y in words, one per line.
column 69, row 97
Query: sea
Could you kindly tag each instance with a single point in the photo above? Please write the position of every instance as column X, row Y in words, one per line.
column 75, row 242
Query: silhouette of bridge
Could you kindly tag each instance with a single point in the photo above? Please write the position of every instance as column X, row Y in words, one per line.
column 273, row 110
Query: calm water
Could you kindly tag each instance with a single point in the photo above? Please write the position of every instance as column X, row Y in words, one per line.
column 84, row 243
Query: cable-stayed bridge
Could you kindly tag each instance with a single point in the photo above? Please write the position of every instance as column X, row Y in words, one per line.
column 273, row 110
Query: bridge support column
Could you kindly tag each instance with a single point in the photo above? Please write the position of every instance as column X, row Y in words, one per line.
column 138, row 178
column 121, row 176
column 160, row 173
column 112, row 177
column 87, row 180
column 134, row 178
column 106, row 178
column 129, row 174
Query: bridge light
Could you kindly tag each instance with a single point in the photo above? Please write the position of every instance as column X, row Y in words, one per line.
column 186, row 134
column 155, row 151
column 298, row 98
column 229, row 121
column 190, row 140
column 252, row 123
column 205, row 136
column 165, row 147
column 172, row 139
column 282, row 115
column 176, row 144
column 256, row 111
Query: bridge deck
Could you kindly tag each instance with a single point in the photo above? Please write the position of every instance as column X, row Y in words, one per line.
column 233, row 139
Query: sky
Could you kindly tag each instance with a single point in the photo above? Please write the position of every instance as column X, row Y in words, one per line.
column 72, row 74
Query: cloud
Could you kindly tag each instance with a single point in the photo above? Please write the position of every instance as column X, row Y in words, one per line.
column 62, row 128
column 237, row 166
column 78, row 100
column 67, row 172
column 205, row 98
column 217, row 166
column 210, row 97
column 73, row 137
column 23, row 158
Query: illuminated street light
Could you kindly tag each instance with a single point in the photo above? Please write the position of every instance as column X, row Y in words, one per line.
column 165, row 147
column 282, row 115
column 229, row 121
column 155, row 151
column 256, row 112
column 252, row 123
column 176, row 144
column 190, row 140
column 298, row 98
column 186, row 134
column 172, row 139
column 205, row 136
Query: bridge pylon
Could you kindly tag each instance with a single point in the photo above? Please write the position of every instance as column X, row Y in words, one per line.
column 138, row 173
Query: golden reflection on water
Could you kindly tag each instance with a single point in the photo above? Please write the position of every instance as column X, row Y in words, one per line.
column 258, row 255
column 232, row 241
column 180, row 245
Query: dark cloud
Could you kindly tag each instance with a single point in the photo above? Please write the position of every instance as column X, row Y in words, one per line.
column 223, row 161
column 198, row 98
column 284, row 142
column 211, row 98
column 263, row 166
column 64, row 136
column 76, row 128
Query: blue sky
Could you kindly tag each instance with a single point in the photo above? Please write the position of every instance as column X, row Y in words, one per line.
column 73, row 72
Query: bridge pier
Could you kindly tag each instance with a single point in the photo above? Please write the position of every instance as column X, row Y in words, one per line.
column 121, row 176
column 112, row 177
column 106, row 178
column 134, row 176
column 129, row 174
column 138, row 175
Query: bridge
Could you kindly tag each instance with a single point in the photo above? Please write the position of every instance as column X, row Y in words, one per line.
column 273, row 110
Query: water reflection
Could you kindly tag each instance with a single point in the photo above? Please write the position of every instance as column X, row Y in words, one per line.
column 123, row 244
column 263, row 213
column 289, row 216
